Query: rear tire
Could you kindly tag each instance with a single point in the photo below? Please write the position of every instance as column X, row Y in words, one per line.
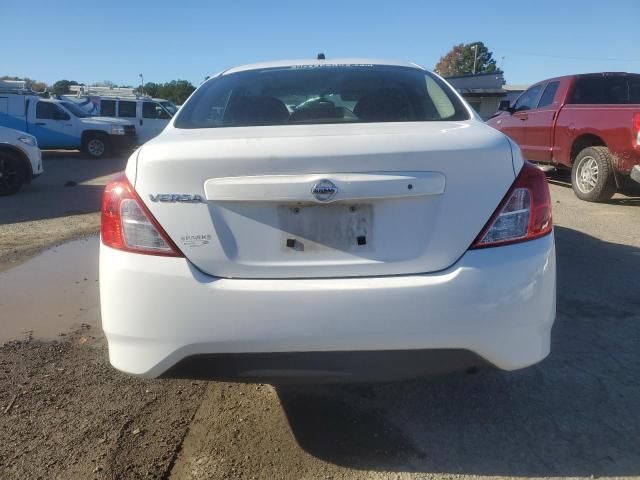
column 592, row 175
column 96, row 145
column 13, row 174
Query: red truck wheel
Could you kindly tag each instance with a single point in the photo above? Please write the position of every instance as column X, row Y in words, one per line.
column 592, row 175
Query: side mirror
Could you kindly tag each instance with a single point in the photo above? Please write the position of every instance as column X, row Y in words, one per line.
column 505, row 106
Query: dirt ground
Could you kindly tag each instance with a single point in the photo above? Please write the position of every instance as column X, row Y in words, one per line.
column 60, row 205
column 65, row 413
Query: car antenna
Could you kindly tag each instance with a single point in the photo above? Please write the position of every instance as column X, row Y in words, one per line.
column 321, row 56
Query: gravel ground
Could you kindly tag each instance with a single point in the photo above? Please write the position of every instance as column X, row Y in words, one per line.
column 64, row 413
column 73, row 416
column 60, row 205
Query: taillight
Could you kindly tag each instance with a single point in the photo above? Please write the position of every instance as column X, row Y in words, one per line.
column 127, row 224
column 636, row 127
column 523, row 214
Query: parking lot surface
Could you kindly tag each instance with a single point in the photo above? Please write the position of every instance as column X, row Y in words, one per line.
column 65, row 413
column 62, row 204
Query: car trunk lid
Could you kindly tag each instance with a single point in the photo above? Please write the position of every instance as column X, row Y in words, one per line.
column 325, row 200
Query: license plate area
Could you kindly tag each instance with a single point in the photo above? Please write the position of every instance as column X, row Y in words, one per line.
column 338, row 226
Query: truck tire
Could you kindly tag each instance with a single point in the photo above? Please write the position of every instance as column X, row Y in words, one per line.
column 13, row 173
column 592, row 175
column 96, row 145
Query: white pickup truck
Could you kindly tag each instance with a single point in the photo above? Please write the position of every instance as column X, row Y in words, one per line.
column 62, row 125
column 150, row 115
column 20, row 160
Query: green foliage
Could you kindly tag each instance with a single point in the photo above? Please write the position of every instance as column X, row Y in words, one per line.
column 152, row 89
column 61, row 87
column 175, row 91
column 459, row 60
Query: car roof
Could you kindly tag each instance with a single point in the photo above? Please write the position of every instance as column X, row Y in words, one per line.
column 314, row 62
column 588, row 74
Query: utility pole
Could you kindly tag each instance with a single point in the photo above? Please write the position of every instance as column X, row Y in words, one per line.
column 475, row 57
column 141, row 83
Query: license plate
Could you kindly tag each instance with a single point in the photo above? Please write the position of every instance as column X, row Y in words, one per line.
column 337, row 226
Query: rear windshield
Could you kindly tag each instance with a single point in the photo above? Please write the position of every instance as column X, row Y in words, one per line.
column 606, row 89
column 320, row 94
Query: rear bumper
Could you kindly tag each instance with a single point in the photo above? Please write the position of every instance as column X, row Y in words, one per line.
column 323, row 367
column 157, row 312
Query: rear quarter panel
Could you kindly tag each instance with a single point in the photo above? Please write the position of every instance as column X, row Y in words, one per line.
column 611, row 123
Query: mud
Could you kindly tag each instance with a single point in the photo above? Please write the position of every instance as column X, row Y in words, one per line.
column 52, row 294
column 75, row 417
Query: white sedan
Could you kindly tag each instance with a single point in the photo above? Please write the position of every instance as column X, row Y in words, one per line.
column 326, row 221
column 20, row 160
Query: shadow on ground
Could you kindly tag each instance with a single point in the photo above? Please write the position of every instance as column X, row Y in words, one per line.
column 575, row 414
column 70, row 185
column 630, row 195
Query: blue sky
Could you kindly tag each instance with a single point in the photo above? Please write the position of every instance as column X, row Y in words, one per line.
column 90, row 41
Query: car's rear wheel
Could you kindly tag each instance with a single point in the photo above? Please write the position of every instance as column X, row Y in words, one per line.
column 592, row 175
column 13, row 174
column 96, row 146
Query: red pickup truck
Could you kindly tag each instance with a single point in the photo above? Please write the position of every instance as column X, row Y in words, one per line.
column 589, row 123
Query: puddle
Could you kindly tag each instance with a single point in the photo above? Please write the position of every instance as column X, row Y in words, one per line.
column 52, row 293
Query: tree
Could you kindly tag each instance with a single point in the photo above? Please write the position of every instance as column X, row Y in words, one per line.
column 176, row 91
column 39, row 86
column 460, row 59
column 151, row 89
column 61, row 87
